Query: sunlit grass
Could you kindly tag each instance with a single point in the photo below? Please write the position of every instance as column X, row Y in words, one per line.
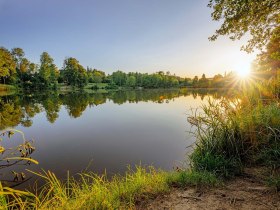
column 91, row 191
column 234, row 133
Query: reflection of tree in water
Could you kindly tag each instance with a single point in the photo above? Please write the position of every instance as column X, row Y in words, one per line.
column 97, row 99
column 157, row 96
column 20, row 109
column 194, row 94
column 10, row 114
column 29, row 109
column 51, row 104
column 75, row 103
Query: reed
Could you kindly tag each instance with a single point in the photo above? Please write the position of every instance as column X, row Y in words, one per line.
column 234, row 133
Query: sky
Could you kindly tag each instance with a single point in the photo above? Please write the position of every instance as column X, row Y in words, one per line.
column 129, row 35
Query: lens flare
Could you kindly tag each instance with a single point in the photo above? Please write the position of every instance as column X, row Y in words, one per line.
column 244, row 73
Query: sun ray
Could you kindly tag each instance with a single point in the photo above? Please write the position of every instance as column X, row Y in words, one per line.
column 243, row 73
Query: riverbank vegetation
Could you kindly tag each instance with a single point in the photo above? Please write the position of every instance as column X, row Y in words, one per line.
column 91, row 191
column 233, row 134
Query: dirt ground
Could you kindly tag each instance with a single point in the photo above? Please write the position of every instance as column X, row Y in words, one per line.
column 245, row 192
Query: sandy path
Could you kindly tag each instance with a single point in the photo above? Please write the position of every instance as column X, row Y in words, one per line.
column 246, row 192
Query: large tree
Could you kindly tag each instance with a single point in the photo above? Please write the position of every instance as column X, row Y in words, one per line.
column 24, row 65
column 47, row 68
column 119, row 78
column 18, row 55
column 74, row 73
column 257, row 17
column 7, row 64
column 269, row 59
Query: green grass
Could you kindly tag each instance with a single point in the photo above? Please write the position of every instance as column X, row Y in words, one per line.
column 91, row 191
column 192, row 178
column 216, row 164
column 234, row 133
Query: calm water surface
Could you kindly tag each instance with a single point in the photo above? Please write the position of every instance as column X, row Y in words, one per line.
column 104, row 131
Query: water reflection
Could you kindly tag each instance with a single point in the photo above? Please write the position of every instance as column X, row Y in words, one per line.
column 112, row 130
column 20, row 109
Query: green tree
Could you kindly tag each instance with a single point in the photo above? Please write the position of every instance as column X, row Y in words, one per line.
column 33, row 68
column 259, row 18
column 186, row 81
column 195, row 81
column 131, row 81
column 203, row 82
column 24, row 65
column 47, row 68
column 119, row 78
column 217, row 81
column 7, row 65
column 270, row 58
column 95, row 76
column 18, row 55
column 174, row 82
column 74, row 73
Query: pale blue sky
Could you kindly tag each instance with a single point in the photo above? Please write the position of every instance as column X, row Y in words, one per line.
column 130, row 35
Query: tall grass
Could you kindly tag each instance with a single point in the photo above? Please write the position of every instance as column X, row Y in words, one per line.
column 91, row 191
column 233, row 133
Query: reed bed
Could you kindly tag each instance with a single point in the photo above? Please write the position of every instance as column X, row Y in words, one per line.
column 236, row 133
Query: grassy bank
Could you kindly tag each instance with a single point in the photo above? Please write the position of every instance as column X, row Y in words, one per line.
column 91, row 191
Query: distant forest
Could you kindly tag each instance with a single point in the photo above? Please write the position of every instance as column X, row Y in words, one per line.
column 17, row 70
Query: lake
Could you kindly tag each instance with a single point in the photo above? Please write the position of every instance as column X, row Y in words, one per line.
column 75, row 131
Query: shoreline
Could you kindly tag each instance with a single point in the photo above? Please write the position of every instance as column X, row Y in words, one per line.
column 247, row 191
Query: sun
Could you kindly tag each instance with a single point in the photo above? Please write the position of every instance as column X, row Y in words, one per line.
column 243, row 73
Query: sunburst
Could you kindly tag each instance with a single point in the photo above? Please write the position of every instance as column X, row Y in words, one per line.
column 244, row 73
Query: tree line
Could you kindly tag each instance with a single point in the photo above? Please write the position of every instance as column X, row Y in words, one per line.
column 17, row 70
